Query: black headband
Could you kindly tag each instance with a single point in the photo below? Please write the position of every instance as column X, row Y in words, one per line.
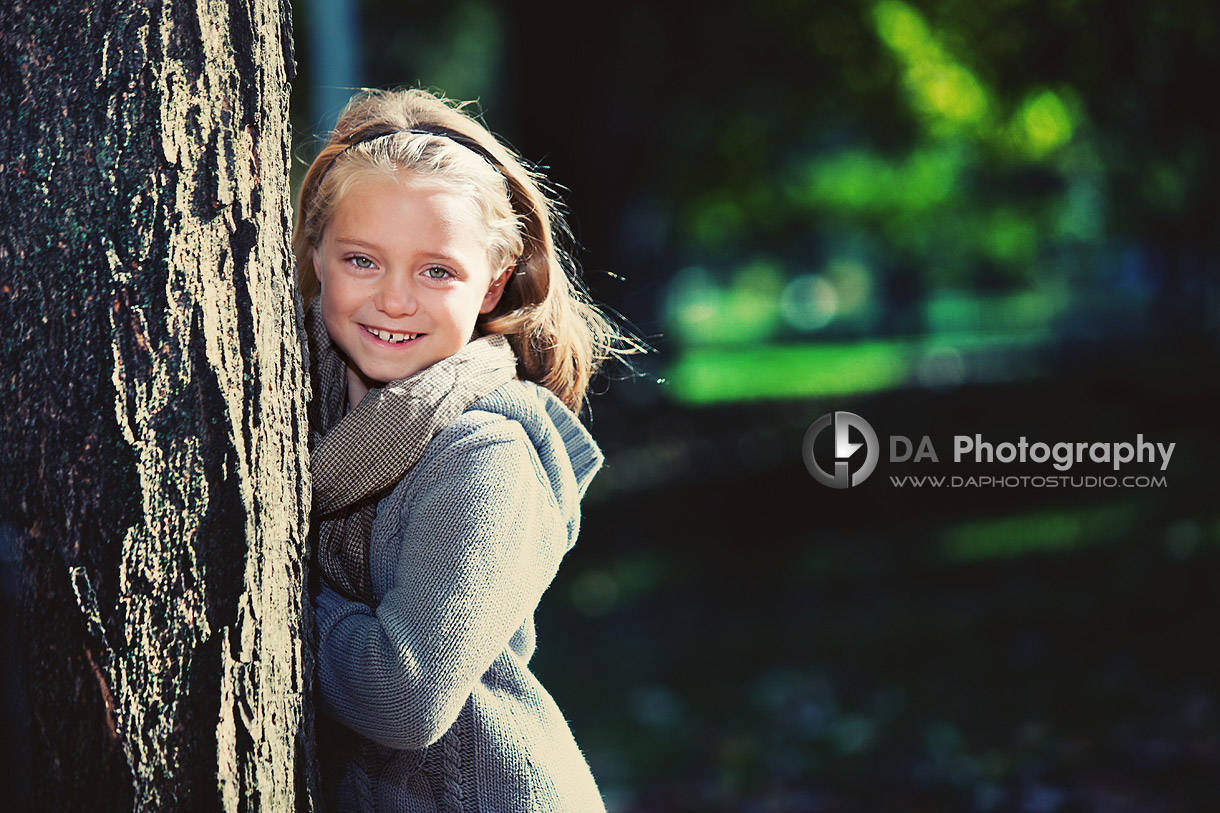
column 430, row 129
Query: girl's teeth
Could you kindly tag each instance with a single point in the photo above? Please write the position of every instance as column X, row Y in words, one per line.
column 392, row 338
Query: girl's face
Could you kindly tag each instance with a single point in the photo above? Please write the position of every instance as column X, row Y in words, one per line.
column 405, row 273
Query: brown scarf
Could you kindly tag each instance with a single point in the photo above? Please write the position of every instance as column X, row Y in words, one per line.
column 358, row 457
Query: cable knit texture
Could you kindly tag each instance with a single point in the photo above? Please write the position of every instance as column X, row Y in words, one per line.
column 435, row 682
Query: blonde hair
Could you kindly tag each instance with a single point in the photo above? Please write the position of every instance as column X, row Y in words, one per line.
column 560, row 338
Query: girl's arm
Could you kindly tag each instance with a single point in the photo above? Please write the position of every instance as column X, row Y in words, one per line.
column 482, row 538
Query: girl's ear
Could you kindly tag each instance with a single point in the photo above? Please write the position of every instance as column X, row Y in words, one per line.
column 496, row 289
column 313, row 255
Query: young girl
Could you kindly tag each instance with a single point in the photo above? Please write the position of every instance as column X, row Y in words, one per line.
column 449, row 349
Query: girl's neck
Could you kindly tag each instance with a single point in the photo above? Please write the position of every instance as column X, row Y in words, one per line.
column 357, row 388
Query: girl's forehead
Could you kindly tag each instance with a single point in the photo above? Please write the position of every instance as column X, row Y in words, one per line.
column 389, row 189
column 404, row 180
column 394, row 205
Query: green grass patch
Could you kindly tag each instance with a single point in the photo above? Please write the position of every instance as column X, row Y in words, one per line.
column 1038, row 532
column 716, row 375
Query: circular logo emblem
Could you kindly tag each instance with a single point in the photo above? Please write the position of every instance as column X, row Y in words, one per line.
column 845, row 449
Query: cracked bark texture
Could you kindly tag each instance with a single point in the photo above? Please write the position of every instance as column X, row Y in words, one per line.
column 153, row 438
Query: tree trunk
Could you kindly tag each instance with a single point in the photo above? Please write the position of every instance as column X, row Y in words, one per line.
column 153, row 390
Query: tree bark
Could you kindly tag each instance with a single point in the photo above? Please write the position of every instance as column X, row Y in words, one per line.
column 153, row 390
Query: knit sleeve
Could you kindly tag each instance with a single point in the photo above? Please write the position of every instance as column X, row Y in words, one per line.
column 482, row 537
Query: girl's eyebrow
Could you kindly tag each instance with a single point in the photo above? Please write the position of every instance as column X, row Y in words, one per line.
column 353, row 241
column 358, row 243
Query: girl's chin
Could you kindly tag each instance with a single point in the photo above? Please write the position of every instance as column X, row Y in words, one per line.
column 382, row 376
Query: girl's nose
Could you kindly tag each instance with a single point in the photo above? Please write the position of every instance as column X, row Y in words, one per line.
column 396, row 296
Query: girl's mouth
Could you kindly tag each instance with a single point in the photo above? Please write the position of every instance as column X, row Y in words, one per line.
column 390, row 337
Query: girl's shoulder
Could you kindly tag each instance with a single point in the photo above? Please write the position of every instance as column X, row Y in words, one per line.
column 519, row 440
column 532, row 408
column 517, row 421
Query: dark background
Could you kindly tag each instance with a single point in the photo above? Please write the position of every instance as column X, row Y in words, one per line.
column 949, row 217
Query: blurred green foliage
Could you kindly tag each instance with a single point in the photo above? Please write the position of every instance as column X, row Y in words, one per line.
column 1002, row 196
column 1013, row 151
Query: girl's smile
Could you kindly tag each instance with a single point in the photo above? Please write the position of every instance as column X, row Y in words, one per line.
column 389, row 337
column 405, row 272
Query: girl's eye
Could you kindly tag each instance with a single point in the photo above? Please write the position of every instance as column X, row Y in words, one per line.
column 360, row 262
column 436, row 272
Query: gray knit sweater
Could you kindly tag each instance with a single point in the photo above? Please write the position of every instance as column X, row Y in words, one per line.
column 435, row 682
